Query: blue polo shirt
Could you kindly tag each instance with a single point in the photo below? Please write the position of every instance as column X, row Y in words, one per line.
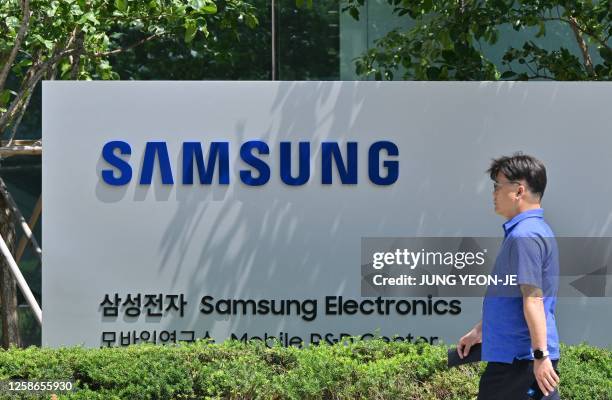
column 529, row 251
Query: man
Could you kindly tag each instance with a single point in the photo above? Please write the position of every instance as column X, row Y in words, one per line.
column 518, row 330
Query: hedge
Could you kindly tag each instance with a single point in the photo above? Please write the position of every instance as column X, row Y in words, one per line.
column 370, row 369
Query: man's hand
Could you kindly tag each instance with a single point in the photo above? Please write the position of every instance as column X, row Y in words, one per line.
column 545, row 375
column 471, row 338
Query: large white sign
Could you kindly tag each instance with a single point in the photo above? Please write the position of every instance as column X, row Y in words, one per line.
column 180, row 210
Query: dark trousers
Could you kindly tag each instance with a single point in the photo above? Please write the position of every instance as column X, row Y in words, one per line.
column 502, row 381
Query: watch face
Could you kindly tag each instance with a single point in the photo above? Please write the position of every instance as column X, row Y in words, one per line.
column 538, row 354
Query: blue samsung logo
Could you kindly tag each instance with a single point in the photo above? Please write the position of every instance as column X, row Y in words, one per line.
column 254, row 154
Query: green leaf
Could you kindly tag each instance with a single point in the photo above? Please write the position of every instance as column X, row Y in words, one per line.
column 354, row 12
column 210, row 8
column 542, row 30
column 449, row 56
column 47, row 43
column 65, row 67
column 91, row 17
column 17, row 68
column 606, row 54
column 443, row 74
column 251, row 20
column 433, row 73
column 104, row 65
column 190, row 30
column 300, row 3
column 204, row 30
column 85, row 17
column 12, row 22
column 202, row 27
column 445, row 40
column 494, row 37
column 5, row 96
column 51, row 12
column 508, row 75
column 204, row 6
column 121, row 5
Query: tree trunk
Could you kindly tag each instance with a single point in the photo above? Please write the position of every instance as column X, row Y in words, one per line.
column 584, row 48
column 8, row 287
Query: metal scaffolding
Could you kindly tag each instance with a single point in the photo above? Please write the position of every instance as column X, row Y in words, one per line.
column 20, row 148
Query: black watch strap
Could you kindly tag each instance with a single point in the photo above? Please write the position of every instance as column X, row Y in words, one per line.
column 540, row 354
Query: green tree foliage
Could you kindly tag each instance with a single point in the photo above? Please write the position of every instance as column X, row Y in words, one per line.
column 73, row 39
column 306, row 48
column 447, row 40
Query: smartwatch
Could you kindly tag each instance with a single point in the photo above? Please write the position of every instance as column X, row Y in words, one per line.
column 540, row 354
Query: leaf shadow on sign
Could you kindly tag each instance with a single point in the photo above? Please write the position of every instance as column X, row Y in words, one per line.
column 283, row 223
column 247, row 243
column 248, row 240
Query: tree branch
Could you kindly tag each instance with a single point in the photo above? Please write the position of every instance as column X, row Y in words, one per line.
column 588, row 62
column 19, row 117
column 530, row 68
column 130, row 47
column 76, row 58
column 23, row 108
column 540, row 76
column 575, row 25
column 37, row 71
column 36, row 74
column 25, row 22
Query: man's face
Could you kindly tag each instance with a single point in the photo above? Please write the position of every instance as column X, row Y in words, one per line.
column 505, row 196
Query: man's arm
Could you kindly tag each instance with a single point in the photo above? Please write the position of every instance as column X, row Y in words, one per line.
column 474, row 336
column 533, row 308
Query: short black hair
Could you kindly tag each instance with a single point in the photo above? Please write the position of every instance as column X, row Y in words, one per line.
column 521, row 166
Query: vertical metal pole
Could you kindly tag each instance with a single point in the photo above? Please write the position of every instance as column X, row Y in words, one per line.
column 23, row 285
column 273, row 40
